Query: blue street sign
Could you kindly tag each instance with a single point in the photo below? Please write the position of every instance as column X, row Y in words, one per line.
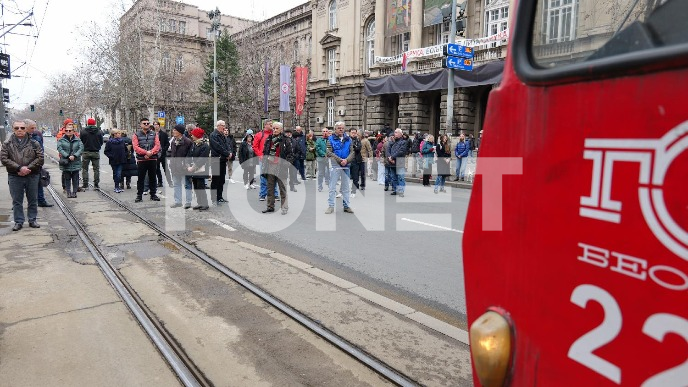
column 458, row 50
column 452, row 62
column 161, row 114
column 180, row 120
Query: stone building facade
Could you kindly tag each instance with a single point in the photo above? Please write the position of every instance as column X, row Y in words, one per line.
column 164, row 46
column 284, row 39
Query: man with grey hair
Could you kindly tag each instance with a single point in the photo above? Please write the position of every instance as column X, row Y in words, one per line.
column 396, row 158
column 38, row 137
column 340, row 152
column 221, row 153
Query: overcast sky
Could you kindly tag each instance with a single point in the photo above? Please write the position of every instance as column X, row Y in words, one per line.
column 35, row 60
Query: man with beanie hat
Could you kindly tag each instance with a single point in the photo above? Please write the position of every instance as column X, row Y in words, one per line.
column 92, row 138
column 179, row 150
column 146, row 146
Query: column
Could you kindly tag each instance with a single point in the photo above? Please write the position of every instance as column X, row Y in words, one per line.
column 416, row 24
column 380, row 27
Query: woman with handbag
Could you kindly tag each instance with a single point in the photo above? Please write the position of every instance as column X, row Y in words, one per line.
column 70, row 149
column 428, row 154
column 247, row 160
column 443, row 149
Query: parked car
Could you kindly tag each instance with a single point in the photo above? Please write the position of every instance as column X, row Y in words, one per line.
column 47, row 134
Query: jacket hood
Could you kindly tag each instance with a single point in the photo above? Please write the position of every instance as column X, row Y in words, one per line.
column 92, row 129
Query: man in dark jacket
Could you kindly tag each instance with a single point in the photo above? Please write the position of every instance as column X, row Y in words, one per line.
column 179, row 151
column 300, row 153
column 36, row 135
column 162, row 157
column 92, row 138
column 219, row 151
column 232, row 145
column 358, row 165
column 276, row 151
column 396, row 158
column 23, row 159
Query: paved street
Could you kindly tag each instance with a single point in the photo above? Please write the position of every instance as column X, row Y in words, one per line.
column 408, row 249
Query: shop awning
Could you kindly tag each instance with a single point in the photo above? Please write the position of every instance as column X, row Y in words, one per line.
column 487, row 74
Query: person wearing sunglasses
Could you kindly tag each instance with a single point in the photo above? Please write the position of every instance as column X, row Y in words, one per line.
column 70, row 149
column 23, row 159
column 146, row 146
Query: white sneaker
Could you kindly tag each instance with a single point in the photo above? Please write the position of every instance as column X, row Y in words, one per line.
column 252, row 186
column 353, row 195
column 145, row 193
column 246, row 186
column 232, row 181
column 339, row 195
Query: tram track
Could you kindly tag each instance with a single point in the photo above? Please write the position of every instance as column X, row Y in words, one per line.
column 186, row 371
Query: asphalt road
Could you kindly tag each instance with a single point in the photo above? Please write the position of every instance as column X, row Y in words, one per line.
column 408, row 249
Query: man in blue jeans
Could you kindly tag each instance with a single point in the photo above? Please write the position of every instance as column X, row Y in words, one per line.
column 23, row 159
column 340, row 152
column 258, row 145
column 396, row 158
column 36, row 135
column 461, row 152
column 323, row 161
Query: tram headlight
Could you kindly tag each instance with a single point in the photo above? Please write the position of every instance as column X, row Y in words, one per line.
column 490, row 337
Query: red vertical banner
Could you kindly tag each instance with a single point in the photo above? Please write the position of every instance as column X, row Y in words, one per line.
column 301, row 83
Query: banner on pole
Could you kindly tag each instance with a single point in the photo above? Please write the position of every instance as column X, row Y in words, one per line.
column 301, row 81
column 285, row 80
column 266, row 91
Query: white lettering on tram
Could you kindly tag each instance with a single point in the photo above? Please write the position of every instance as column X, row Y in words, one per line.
column 665, row 276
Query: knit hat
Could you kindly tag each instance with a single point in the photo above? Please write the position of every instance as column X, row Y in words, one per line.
column 180, row 128
column 249, row 131
column 198, row 132
column 67, row 122
column 91, row 121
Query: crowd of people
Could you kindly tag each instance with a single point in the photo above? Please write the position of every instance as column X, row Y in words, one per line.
column 343, row 159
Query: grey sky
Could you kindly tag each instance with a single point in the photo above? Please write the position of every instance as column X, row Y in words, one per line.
column 57, row 48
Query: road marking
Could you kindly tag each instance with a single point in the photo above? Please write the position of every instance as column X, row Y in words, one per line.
column 432, row 225
column 226, row 227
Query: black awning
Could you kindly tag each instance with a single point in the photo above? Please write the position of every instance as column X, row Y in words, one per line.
column 487, row 74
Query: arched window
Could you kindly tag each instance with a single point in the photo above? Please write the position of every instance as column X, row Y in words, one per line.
column 369, row 44
column 333, row 14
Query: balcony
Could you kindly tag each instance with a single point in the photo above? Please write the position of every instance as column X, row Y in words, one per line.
column 481, row 56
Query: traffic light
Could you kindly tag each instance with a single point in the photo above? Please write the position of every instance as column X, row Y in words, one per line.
column 61, row 113
column 33, row 108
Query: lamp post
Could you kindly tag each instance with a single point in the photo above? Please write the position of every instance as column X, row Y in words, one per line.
column 215, row 28
column 450, row 85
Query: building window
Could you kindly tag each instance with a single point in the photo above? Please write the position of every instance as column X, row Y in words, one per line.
column 330, row 111
column 310, row 47
column 496, row 21
column 561, row 21
column 166, row 62
column 173, row 26
column 369, row 45
column 332, row 65
column 179, row 65
column 182, row 27
column 333, row 14
column 296, row 51
column 442, row 32
column 400, row 43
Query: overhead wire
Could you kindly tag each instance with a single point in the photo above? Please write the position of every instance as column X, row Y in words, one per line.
column 38, row 27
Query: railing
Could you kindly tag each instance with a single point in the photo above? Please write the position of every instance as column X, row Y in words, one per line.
column 489, row 54
column 429, row 65
column 390, row 70
column 554, row 49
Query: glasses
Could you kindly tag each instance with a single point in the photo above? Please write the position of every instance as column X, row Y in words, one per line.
column 19, row 128
column 145, row 123
column 68, row 130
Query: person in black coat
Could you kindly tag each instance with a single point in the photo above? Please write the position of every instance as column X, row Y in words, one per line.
column 443, row 150
column 180, row 147
column 116, row 151
column 248, row 161
column 162, row 157
column 219, row 151
column 129, row 169
column 232, row 146
column 198, row 168
column 277, row 150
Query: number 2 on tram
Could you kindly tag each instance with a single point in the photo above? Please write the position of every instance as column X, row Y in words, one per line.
column 585, row 279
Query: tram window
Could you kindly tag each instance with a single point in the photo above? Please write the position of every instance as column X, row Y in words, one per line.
column 571, row 31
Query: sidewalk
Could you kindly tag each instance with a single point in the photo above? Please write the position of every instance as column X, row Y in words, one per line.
column 60, row 321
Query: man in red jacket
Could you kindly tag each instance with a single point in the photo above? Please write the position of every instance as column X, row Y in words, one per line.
column 258, row 144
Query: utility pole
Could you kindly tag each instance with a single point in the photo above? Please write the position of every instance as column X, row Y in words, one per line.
column 450, row 82
column 215, row 28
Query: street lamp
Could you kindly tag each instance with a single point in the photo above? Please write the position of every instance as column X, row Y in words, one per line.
column 215, row 29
